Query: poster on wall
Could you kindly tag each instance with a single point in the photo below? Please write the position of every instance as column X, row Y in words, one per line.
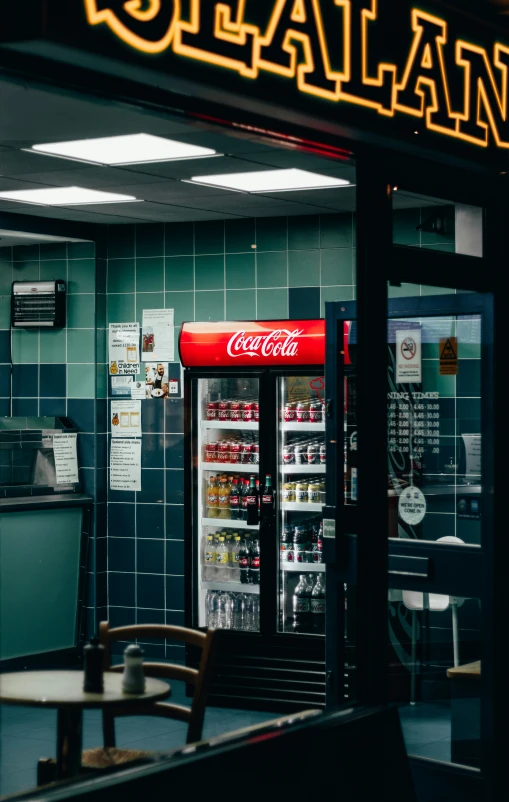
column 66, row 459
column 122, row 385
column 126, row 418
column 125, row 465
column 158, row 343
column 408, row 356
column 124, row 349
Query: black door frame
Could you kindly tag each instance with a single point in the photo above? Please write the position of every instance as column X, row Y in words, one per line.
column 378, row 263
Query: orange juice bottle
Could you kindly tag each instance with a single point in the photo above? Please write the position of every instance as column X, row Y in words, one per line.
column 212, row 498
column 224, row 497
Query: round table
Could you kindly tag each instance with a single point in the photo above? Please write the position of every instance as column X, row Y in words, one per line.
column 63, row 690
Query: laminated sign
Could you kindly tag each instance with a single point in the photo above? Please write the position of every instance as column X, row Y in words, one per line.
column 448, row 356
column 124, row 349
column 408, row 356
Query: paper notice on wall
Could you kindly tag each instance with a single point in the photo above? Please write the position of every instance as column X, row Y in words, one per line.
column 408, row 356
column 122, row 385
column 124, row 349
column 126, row 418
column 66, row 458
column 158, row 341
column 473, row 457
column 125, row 465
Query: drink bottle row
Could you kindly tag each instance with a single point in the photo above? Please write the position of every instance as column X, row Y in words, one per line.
column 308, row 604
column 307, row 410
column 302, row 542
column 230, row 558
column 226, row 610
column 237, row 499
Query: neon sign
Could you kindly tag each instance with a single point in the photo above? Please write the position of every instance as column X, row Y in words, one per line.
column 333, row 61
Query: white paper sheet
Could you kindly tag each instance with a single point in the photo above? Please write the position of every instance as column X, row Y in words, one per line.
column 66, row 459
column 126, row 418
column 124, row 349
column 125, row 465
column 408, row 356
column 158, row 343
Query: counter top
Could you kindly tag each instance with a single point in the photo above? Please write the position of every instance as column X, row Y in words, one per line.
column 17, row 503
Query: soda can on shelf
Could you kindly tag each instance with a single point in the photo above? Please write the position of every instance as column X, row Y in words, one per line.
column 223, row 411
column 246, row 411
column 212, row 410
column 288, row 455
column 246, row 450
column 235, row 414
column 211, row 452
column 302, row 411
column 223, row 451
column 255, row 454
column 315, row 412
column 301, row 492
column 289, row 413
column 323, row 454
column 313, row 454
column 314, row 493
column 235, row 452
column 289, row 491
column 256, row 411
column 299, row 454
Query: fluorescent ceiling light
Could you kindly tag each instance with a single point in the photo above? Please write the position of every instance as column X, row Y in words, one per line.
column 270, row 181
column 65, row 196
column 130, row 149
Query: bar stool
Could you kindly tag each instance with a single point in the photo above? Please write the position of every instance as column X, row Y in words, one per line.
column 416, row 601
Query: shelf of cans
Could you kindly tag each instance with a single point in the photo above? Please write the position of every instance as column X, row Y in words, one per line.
column 307, row 411
column 233, row 411
column 232, row 452
column 304, row 453
column 309, row 493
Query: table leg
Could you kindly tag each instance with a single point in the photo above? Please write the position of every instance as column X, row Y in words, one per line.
column 69, row 742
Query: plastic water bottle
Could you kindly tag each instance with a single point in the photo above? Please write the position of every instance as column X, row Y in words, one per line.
column 256, row 613
column 210, row 600
column 234, row 559
column 251, row 612
column 238, row 611
column 224, row 611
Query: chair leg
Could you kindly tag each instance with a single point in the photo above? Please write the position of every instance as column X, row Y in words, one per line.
column 455, row 634
column 413, row 658
column 108, row 729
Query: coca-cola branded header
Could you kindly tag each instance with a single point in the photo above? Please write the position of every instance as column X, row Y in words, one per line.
column 251, row 344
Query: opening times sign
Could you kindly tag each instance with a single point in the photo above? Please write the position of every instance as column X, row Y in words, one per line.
column 414, row 423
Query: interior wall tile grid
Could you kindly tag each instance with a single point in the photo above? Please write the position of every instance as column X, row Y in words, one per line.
column 54, row 370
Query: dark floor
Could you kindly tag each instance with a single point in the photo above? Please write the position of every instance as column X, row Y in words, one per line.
column 26, row 734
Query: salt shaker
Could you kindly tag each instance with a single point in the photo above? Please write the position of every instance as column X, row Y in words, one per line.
column 133, row 680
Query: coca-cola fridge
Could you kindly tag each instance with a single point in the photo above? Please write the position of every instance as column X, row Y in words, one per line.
column 255, row 402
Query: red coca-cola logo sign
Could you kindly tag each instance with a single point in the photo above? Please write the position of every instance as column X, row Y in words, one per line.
column 260, row 343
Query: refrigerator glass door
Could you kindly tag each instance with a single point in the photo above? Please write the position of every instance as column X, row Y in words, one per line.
column 301, row 472
column 227, row 463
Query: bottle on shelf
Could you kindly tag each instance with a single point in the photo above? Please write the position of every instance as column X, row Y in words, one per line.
column 244, row 562
column 224, row 611
column 212, row 498
column 318, row 606
column 209, row 571
column 235, row 508
column 243, row 499
column 234, row 559
column 267, row 497
column 252, row 503
column 238, row 611
column 254, row 563
column 302, row 606
column 224, row 498
column 222, row 574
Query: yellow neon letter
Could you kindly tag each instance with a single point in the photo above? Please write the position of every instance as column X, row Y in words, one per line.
column 150, row 30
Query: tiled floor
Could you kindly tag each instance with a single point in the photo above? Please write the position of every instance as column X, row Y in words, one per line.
column 26, row 734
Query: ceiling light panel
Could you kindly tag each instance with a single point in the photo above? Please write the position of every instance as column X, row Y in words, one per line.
column 271, row 181
column 129, row 149
column 65, row 196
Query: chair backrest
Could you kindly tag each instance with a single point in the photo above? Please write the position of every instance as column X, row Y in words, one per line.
column 200, row 679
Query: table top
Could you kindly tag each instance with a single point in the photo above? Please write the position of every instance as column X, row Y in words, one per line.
column 467, row 671
column 65, row 689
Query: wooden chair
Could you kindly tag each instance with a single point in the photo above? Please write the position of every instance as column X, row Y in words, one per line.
column 108, row 755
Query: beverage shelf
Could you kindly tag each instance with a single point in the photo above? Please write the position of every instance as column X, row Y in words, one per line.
column 293, row 426
column 234, row 587
column 229, row 467
column 296, row 506
column 304, row 568
column 303, row 469
column 239, row 426
column 230, row 523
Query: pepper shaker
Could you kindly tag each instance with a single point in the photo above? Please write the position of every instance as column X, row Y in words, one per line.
column 93, row 667
column 133, row 680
